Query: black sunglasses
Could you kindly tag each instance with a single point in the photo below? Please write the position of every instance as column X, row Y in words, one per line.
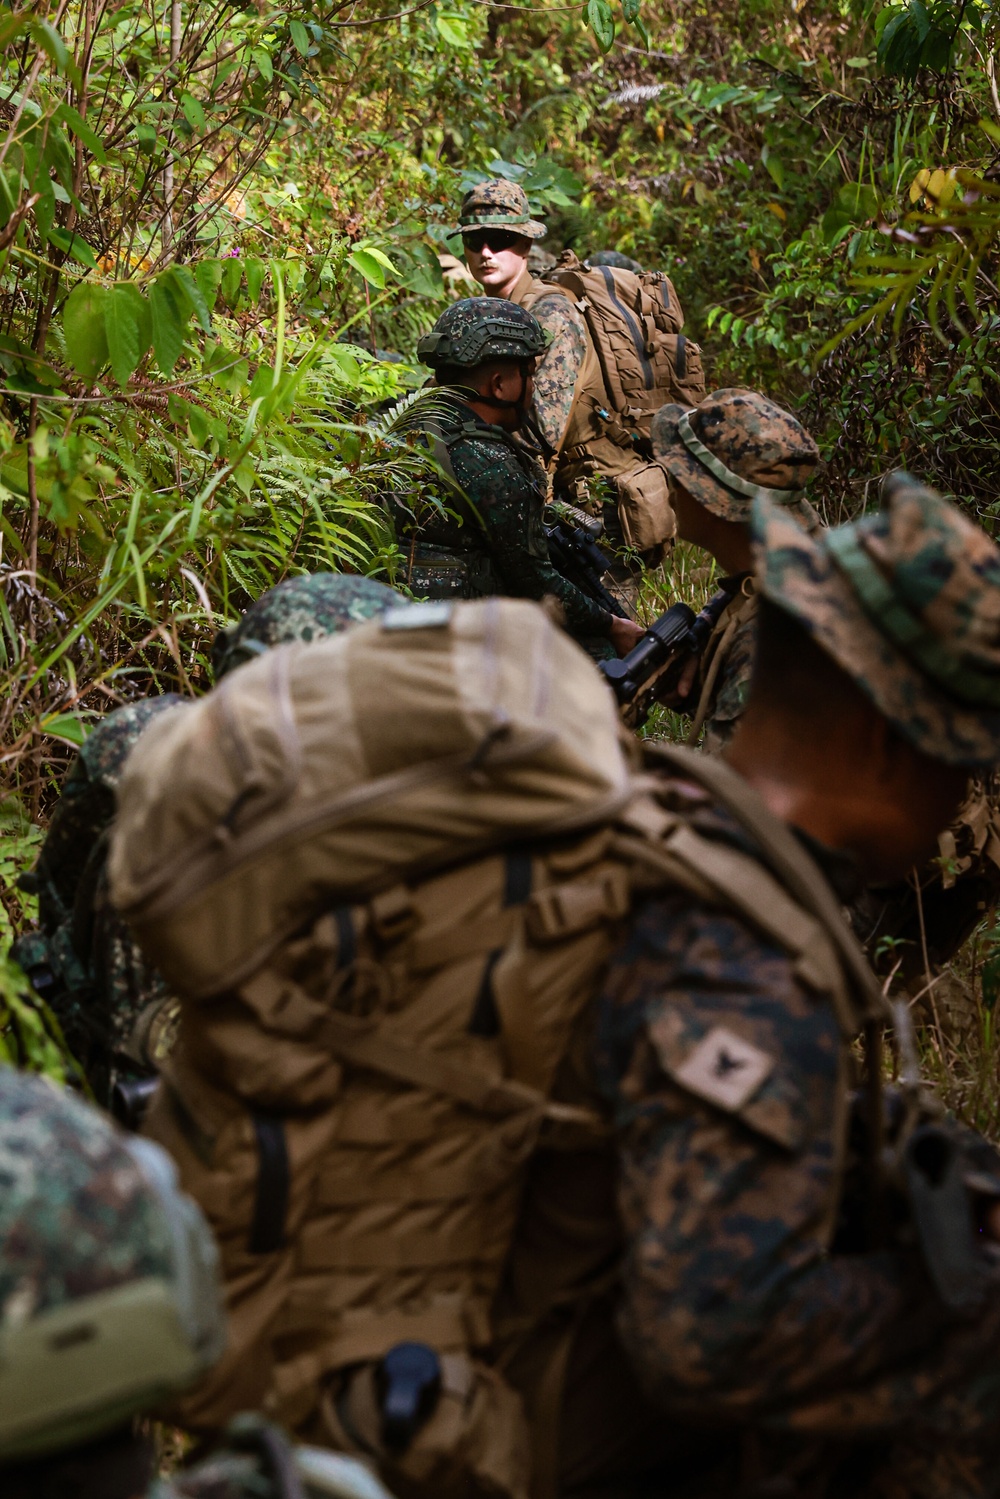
column 497, row 239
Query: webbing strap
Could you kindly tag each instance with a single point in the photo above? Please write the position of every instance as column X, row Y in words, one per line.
column 425, row 1069
column 267, row 1230
column 789, row 861
column 323, row 1247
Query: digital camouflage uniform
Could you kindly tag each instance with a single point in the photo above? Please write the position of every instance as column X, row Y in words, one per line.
column 723, row 452
column 115, row 1009
column 754, row 1305
column 84, row 1213
column 492, row 538
column 505, row 205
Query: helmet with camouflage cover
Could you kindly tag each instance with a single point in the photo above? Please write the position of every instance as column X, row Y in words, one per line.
column 477, row 329
column 109, row 1302
column 616, row 260
column 733, row 448
column 499, row 204
column 906, row 600
column 305, row 608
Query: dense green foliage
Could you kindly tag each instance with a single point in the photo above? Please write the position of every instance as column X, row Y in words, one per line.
column 211, row 216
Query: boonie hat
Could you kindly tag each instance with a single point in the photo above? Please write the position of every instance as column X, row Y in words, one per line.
column 734, row 448
column 499, row 204
column 906, row 600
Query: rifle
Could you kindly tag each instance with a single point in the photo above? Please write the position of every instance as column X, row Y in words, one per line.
column 575, row 554
column 652, row 668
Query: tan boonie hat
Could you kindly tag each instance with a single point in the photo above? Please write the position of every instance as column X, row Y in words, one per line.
column 734, row 448
column 906, row 600
column 502, row 205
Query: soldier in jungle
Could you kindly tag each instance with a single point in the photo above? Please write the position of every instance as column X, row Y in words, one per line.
column 117, row 1013
column 488, row 536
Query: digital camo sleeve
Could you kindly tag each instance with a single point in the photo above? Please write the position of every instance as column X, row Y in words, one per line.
column 557, row 370
column 733, row 1305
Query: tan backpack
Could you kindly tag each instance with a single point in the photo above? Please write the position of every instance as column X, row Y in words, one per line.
column 634, row 319
column 459, row 728
column 356, row 1114
column 638, row 359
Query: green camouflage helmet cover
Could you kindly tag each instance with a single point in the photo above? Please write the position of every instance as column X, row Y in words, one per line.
column 616, row 260
column 906, row 600
column 109, row 1299
column 477, row 329
column 733, row 448
column 305, row 608
column 499, row 204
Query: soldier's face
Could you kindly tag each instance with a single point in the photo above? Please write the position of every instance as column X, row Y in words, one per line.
column 496, row 258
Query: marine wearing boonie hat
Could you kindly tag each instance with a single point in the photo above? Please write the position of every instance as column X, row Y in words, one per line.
column 498, row 204
column 733, row 448
column 906, row 600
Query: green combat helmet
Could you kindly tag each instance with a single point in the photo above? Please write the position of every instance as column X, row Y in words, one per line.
column 109, row 1301
column 616, row 260
column 498, row 204
column 906, row 600
column 476, row 329
column 735, row 447
column 305, row 608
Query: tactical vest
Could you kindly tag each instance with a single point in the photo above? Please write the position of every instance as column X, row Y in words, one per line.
column 637, row 359
column 446, row 556
column 358, row 1107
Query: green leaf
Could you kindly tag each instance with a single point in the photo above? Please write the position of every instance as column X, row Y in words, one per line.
column 68, row 726
column 453, row 30
column 208, row 274
column 232, row 278
column 192, row 291
column 300, row 37
column 145, row 139
column 84, row 329
column 255, row 279
column 193, row 113
column 122, row 325
column 989, row 978
column 775, row 170
column 371, row 263
column 170, row 319
column 82, row 131
column 264, row 64
column 51, row 44
column 73, row 245
column 601, row 23
column 11, row 26
column 630, row 10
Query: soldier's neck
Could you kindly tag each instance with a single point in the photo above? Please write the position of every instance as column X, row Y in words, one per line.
column 848, row 782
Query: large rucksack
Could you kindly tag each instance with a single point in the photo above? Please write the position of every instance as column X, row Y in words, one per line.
column 634, row 319
column 385, row 873
column 637, row 360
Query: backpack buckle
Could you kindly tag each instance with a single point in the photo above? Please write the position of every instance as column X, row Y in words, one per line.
column 564, row 910
column 393, row 914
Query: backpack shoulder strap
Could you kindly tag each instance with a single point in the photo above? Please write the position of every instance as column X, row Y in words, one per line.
column 788, row 860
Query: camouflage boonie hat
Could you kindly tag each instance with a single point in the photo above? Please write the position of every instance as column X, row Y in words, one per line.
column 499, row 204
column 906, row 600
column 305, row 608
column 476, row 329
column 615, row 259
column 734, row 448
